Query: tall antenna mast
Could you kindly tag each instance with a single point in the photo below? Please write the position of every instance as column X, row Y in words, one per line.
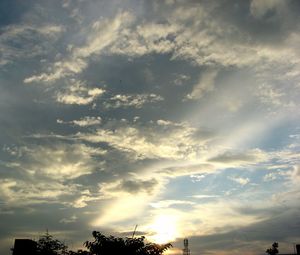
column 186, row 250
column 134, row 231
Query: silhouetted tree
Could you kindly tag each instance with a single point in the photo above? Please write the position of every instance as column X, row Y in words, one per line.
column 79, row 252
column 103, row 245
column 47, row 245
column 273, row 250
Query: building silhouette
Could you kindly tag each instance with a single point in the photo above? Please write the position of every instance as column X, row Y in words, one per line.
column 24, row 247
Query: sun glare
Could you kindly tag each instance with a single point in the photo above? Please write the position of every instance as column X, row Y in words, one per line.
column 164, row 228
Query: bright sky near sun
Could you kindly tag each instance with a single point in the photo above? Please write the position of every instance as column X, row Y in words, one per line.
column 181, row 117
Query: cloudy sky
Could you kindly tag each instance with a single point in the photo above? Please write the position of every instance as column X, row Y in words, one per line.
column 178, row 116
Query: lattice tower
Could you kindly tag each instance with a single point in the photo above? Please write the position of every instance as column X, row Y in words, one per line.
column 186, row 250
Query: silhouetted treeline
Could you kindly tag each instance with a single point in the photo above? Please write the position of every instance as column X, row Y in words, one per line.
column 273, row 250
column 101, row 245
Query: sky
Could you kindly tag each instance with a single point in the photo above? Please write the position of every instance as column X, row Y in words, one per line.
column 180, row 117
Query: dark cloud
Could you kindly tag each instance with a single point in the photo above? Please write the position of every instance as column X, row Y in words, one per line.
column 136, row 186
column 12, row 11
column 256, row 237
column 234, row 157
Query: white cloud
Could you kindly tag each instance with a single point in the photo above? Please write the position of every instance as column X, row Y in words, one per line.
column 205, row 196
column 295, row 175
column 240, row 180
column 78, row 93
column 270, row 95
column 83, row 122
column 205, row 84
column 181, row 79
column 170, row 203
column 197, row 177
column 144, row 39
column 61, row 161
column 103, row 33
column 170, row 142
column 99, row 35
column 72, row 219
column 20, row 41
column 270, row 177
column 136, row 101
column 125, row 204
column 124, row 195
column 185, row 169
column 16, row 192
column 84, row 198
column 43, row 77
column 60, row 69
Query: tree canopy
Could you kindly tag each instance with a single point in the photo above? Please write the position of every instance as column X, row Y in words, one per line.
column 102, row 245
column 106, row 245
column 273, row 250
column 47, row 245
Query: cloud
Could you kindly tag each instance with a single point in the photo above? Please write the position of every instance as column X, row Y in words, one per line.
column 111, row 215
column 270, row 95
column 18, row 193
column 197, row 177
column 205, row 196
column 170, row 203
column 83, row 122
column 259, row 8
column 295, row 174
column 130, row 185
column 72, row 219
column 186, row 169
column 60, row 161
column 78, row 93
column 99, row 35
column 181, row 79
column 240, row 180
column 248, row 157
column 145, row 39
column 123, row 195
column 104, row 32
column 136, row 186
column 270, row 177
column 136, row 101
column 205, row 84
column 150, row 141
column 23, row 41
column 253, row 237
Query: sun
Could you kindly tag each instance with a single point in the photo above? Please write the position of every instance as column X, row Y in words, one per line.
column 164, row 228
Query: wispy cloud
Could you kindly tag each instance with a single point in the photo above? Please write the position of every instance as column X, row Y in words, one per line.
column 132, row 100
column 205, row 84
column 83, row 122
column 78, row 93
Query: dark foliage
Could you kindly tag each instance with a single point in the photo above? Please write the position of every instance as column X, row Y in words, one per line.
column 47, row 245
column 102, row 245
column 273, row 250
column 107, row 245
column 79, row 252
